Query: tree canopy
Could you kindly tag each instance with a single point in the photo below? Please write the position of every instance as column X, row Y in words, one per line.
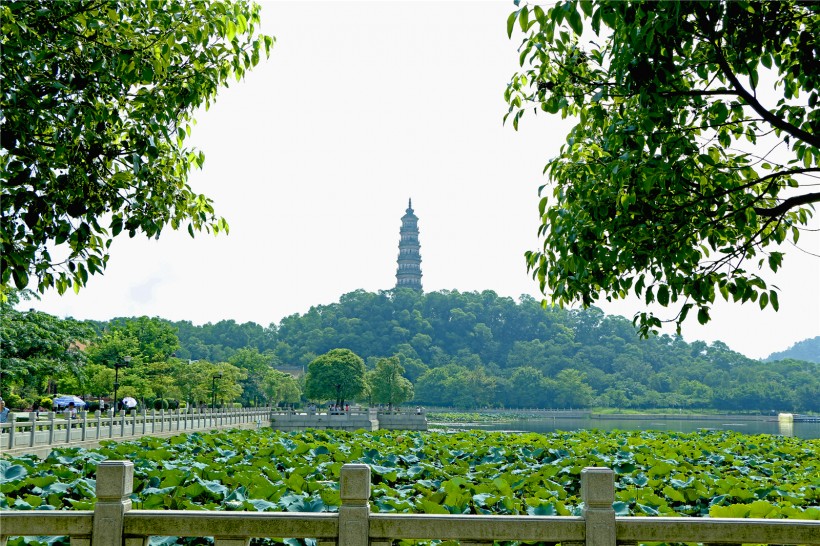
column 97, row 101
column 388, row 384
column 336, row 375
column 37, row 348
column 457, row 349
column 694, row 153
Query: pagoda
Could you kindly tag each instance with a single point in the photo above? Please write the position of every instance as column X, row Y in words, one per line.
column 408, row 274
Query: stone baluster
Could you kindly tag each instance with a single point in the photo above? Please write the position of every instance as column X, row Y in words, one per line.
column 12, row 425
column 68, row 419
column 84, row 433
column 52, row 424
column 32, row 417
column 354, row 513
column 598, row 494
column 115, row 482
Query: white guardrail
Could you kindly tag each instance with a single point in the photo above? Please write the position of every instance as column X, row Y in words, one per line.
column 58, row 431
column 114, row 523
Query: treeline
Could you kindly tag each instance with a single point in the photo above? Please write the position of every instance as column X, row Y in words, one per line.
column 464, row 350
column 471, row 349
column 42, row 356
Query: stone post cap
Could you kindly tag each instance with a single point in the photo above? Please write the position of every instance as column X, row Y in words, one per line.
column 598, row 487
column 354, row 484
column 115, row 480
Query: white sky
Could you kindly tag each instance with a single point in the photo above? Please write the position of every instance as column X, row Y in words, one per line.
column 312, row 158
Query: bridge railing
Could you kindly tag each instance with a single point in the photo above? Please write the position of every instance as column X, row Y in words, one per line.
column 57, row 430
column 114, row 523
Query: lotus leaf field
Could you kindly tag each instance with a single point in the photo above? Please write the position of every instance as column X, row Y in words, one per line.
column 717, row 474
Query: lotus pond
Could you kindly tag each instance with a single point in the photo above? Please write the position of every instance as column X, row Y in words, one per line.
column 717, row 474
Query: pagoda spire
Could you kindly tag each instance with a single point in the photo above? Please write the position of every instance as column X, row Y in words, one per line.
column 408, row 273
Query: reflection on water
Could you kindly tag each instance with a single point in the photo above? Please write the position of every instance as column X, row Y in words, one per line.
column 800, row 430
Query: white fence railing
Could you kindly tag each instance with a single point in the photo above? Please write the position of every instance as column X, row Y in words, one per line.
column 57, row 430
column 114, row 523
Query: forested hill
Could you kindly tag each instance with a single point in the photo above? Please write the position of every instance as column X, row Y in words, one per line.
column 808, row 349
column 474, row 349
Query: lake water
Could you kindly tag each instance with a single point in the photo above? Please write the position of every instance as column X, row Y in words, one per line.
column 800, row 430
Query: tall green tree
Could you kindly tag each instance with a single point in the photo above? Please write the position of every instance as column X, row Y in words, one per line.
column 659, row 189
column 387, row 383
column 336, row 375
column 258, row 367
column 156, row 338
column 36, row 348
column 96, row 100
column 278, row 386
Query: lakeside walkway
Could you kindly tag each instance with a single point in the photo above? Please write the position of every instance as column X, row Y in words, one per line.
column 27, row 434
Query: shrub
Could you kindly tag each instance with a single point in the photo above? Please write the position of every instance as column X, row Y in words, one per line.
column 14, row 402
column 160, row 404
column 173, row 404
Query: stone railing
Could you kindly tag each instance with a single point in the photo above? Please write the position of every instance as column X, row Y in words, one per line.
column 114, row 523
column 56, row 430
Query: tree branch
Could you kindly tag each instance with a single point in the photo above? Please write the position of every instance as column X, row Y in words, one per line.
column 775, row 121
column 790, row 203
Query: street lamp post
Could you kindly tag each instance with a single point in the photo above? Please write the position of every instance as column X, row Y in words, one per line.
column 117, row 366
column 213, row 390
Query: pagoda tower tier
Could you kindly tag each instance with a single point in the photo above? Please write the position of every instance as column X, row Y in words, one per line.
column 408, row 274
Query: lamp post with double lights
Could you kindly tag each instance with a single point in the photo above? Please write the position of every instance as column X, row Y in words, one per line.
column 117, row 365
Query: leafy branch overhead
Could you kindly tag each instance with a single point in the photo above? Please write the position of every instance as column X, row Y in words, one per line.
column 695, row 151
column 97, row 101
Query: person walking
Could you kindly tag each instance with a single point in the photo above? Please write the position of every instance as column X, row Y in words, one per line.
column 4, row 412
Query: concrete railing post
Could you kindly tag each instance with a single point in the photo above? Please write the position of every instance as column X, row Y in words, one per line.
column 52, row 424
column 354, row 513
column 68, row 419
column 598, row 494
column 111, row 416
column 115, row 482
column 32, row 417
column 84, row 433
column 98, row 415
column 13, row 425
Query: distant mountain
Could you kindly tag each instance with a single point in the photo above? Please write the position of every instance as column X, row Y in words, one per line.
column 808, row 349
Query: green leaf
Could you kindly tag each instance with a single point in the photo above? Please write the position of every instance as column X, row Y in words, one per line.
column 663, row 295
column 774, row 300
column 576, row 23
column 621, row 508
column 11, row 472
column 428, row 507
column 511, row 22
column 524, row 18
